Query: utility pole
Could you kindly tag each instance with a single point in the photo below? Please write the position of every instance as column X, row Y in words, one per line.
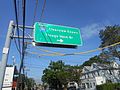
column 6, row 49
column 5, row 53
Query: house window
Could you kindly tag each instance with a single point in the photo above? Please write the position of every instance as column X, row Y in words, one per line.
column 88, row 76
column 88, row 86
column 102, row 82
column 83, row 85
column 110, row 72
column 93, row 75
column 85, row 76
column 98, row 73
column 119, row 72
column 94, row 84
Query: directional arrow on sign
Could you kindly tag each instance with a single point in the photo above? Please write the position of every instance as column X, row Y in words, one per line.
column 60, row 40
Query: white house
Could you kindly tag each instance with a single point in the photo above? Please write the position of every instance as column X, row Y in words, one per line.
column 98, row 74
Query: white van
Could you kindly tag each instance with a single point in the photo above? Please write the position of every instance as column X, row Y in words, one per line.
column 72, row 86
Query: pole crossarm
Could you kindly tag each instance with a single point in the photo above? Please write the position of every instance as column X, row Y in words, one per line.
column 27, row 27
column 21, row 37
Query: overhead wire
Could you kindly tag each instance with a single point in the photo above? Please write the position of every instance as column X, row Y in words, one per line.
column 47, row 51
column 18, row 2
column 58, row 53
column 19, row 49
column 44, row 50
column 35, row 11
column 22, row 58
column 16, row 17
column 17, row 46
column 23, row 45
column 43, row 8
column 41, row 16
column 29, row 36
column 23, row 42
column 77, row 53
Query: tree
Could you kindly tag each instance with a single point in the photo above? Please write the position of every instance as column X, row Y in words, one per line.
column 55, row 75
column 75, row 73
column 58, row 74
column 108, row 36
column 95, row 59
column 30, row 82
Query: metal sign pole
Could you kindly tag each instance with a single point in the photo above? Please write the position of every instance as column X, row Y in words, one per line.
column 5, row 53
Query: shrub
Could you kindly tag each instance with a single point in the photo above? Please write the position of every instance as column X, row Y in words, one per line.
column 108, row 86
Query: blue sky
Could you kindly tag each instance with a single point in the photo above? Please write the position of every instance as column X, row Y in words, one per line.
column 90, row 16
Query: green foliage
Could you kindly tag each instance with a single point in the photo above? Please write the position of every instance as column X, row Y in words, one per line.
column 58, row 74
column 30, row 83
column 95, row 59
column 109, row 86
column 108, row 36
column 54, row 75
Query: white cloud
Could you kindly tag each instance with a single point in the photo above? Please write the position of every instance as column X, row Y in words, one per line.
column 91, row 30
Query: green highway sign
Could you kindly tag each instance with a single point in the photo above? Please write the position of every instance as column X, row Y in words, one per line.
column 56, row 34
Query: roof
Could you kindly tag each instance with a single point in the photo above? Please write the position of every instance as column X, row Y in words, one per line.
column 99, row 66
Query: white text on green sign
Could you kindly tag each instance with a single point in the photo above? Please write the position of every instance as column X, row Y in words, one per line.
column 56, row 34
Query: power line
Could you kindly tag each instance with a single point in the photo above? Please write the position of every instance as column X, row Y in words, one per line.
column 77, row 53
column 16, row 17
column 23, row 45
column 17, row 46
column 19, row 49
column 16, row 43
column 35, row 11
column 23, row 40
column 18, row 3
column 43, row 8
column 48, row 51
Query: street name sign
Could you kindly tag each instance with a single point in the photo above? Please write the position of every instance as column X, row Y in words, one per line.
column 56, row 34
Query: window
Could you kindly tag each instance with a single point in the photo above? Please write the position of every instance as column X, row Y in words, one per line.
column 6, row 79
column 71, row 83
column 101, row 81
column 88, row 76
column 83, row 85
column 110, row 72
column 93, row 75
column 88, row 86
column 119, row 72
column 98, row 73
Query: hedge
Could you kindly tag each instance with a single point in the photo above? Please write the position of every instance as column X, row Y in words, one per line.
column 108, row 86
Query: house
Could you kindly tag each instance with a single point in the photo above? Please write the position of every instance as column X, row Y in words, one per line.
column 98, row 74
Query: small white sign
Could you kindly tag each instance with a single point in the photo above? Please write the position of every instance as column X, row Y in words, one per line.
column 8, row 78
column 5, row 50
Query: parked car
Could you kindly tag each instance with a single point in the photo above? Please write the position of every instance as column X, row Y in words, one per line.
column 72, row 86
